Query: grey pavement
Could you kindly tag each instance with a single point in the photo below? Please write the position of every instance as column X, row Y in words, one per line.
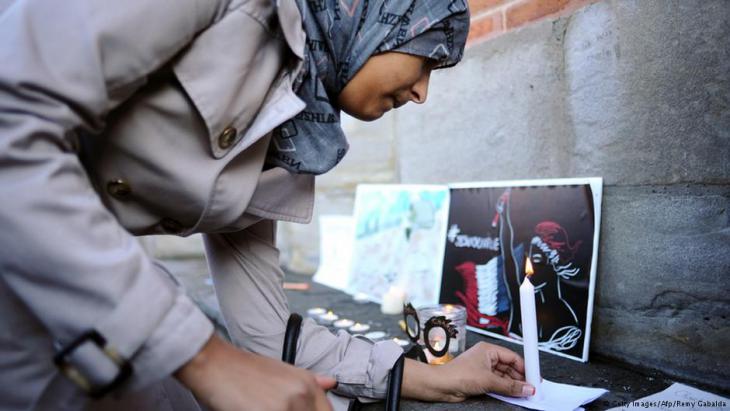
column 624, row 381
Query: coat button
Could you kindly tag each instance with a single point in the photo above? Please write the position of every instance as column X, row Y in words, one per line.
column 171, row 226
column 227, row 137
column 119, row 188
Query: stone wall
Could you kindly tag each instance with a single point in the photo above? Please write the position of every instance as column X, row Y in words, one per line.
column 637, row 92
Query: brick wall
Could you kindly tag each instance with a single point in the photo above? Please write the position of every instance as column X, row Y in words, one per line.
column 490, row 18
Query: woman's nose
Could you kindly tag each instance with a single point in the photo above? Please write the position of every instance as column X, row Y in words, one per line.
column 419, row 91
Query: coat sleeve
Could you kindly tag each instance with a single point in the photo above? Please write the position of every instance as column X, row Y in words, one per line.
column 65, row 65
column 248, row 282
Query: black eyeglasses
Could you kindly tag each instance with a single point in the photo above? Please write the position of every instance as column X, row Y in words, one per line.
column 437, row 330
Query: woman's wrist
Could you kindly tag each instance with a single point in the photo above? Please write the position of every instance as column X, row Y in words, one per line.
column 195, row 373
column 429, row 382
column 189, row 373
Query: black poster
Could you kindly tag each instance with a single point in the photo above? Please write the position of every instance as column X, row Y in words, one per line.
column 493, row 228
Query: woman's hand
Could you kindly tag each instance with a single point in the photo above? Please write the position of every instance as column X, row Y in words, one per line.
column 225, row 378
column 482, row 368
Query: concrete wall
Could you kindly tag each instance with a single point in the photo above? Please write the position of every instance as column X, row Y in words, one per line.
column 637, row 92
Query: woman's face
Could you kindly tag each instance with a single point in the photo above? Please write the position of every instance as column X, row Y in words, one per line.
column 386, row 81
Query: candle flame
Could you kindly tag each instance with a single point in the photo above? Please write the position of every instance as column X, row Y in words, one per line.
column 528, row 267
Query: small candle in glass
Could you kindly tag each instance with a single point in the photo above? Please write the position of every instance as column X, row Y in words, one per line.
column 437, row 336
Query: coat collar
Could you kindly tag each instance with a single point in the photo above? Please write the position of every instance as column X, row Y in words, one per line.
column 290, row 20
column 231, row 68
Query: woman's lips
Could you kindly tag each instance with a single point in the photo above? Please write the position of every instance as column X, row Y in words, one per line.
column 395, row 103
column 391, row 103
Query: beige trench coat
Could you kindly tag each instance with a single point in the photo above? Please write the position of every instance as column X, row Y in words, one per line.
column 146, row 117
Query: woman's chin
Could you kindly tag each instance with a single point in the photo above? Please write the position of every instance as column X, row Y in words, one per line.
column 367, row 115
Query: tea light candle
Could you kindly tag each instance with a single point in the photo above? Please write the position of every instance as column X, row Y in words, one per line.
column 359, row 328
column 329, row 318
column 400, row 342
column 343, row 323
column 361, row 298
column 529, row 332
column 315, row 312
column 376, row 335
column 393, row 301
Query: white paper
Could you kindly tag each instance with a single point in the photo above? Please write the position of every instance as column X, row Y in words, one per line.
column 336, row 233
column 556, row 397
column 678, row 397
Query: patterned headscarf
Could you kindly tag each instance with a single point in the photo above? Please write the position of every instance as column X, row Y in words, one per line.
column 341, row 36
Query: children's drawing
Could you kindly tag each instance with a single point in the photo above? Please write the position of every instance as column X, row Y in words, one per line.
column 399, row 231
column 494, row 227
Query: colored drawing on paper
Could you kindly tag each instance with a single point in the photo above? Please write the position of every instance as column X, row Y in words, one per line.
column 493, row 228
column 399, row 231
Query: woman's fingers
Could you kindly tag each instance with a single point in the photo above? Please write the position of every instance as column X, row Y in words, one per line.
column 510, row 358
column 510, row 387
column 321, row 403
column 510, row 372
column 491, row 368
column 504, row 359
column 326, row 383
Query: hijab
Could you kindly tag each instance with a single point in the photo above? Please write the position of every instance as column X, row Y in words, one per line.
column 341, row 36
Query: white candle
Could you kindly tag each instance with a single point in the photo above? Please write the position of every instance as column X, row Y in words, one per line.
column 529, row 332
column 359, row 328
column 314, row 313
column 329, row 318
column 343, row 323
column 393, row 301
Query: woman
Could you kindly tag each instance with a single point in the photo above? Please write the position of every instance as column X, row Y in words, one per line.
column 185, row 116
